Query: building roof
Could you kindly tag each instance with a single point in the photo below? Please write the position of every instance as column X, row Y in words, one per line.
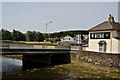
column 106, row 26
column 102, row 42
column 66, row 36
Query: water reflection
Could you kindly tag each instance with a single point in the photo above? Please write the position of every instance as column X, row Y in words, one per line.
column 0, row 63
column 9, row 64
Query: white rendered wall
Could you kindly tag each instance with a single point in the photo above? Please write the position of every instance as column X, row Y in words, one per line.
column 113, row 44
column 94, row 46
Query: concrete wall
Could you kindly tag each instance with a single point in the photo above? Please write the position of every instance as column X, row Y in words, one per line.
column 31, row 61
column 44, row 46
column 50, row 58
column 74, row 47
column 105, row 59
column 86, row 48
column 60, row 58
column 12, row 45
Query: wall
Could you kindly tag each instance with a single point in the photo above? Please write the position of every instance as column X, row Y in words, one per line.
column 73, row 57
column 104, row 59
column 50, row 58
column 94, row 46
column 44, row 46
column 119, row 45
column 12, row 45
column 86, row 48
column 115, row 43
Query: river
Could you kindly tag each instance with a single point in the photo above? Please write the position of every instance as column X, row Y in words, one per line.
column 12, row 70
column 10, row 64
column 14, row 66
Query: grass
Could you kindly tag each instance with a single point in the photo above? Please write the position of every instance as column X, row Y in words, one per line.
column 20, row 57
column 27, row 42
column 87, row 70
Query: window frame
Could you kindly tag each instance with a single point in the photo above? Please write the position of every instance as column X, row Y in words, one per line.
column 102, row 47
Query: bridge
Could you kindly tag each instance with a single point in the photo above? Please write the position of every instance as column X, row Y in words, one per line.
column 37, row 57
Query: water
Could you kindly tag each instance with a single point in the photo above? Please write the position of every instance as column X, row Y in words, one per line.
column 10, row 64
column 14, row 65
column 71, row 71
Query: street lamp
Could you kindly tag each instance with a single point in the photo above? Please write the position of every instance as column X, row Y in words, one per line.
column 47, row 25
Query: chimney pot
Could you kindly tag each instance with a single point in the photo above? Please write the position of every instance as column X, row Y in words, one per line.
column 111, row 19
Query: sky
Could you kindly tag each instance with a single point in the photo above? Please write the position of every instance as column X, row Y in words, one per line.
column 33, row 16
column 60, row 0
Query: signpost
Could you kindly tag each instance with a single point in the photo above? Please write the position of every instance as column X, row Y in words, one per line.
column 100, row 35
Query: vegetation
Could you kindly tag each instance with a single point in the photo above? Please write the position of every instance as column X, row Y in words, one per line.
column 27, row 42
column 34, row 36
column 6, row 35
column 70, row 71
column 19, row 36
column 71, row 33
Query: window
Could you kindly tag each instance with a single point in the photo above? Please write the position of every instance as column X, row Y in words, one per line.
column 69, row 39
column 118, row 34
column 102, row 46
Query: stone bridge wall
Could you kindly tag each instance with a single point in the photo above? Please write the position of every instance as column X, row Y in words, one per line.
column 105, row 59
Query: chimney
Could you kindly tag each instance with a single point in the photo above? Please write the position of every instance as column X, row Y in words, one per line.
column 111, row 19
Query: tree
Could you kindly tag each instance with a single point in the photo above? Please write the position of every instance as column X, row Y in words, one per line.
column 21, row 37
column 14, row 35
column 34, row 36
column 1, row 34
column 45, row 35
column 30, row 36
column 18, row 36
column 6, row 35
column 39, row 37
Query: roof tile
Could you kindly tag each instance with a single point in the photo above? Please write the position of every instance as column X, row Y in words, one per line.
column 106, row 26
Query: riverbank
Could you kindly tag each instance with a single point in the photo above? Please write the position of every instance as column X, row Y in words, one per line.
column 20, row 57
column 28, row 42
column 74, row 70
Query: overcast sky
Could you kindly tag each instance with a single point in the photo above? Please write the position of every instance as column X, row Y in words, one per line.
column 25, row 16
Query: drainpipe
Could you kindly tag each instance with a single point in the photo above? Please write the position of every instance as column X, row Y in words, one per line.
column 111, row 42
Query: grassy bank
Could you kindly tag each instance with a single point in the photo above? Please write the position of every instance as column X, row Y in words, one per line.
column 26, row 42
column 20, row 57
column 77, row 70
column 72, row 70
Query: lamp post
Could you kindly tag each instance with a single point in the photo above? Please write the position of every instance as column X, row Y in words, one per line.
column 46, row 27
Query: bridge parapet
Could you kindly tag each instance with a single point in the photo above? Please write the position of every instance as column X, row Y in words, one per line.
column 36, row 57
column 21, row 51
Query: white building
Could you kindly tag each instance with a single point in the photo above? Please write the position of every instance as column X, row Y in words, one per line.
column 67, row 39
column 105, row 37
column 78, row 39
